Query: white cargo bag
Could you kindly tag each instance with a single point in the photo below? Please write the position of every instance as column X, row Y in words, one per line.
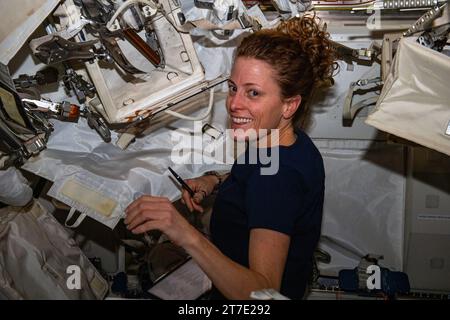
column 415, row 101
column 39, row 260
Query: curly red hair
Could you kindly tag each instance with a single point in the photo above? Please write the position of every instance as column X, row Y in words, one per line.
column 300, row 52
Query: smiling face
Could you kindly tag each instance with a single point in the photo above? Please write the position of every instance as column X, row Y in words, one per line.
column 254, row 99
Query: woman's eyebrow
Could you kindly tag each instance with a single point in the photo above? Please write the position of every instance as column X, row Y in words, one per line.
column 252, row 84
column 245, row 84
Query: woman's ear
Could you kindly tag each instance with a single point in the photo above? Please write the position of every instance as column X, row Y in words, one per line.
column 290, row 106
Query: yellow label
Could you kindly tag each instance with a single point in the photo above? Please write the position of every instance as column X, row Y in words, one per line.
column 89, row 198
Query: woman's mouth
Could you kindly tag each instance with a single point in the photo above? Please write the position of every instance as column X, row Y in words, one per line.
column 240, row 120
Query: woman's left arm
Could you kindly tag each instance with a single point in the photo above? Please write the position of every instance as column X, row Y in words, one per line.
column 267, row 249
column 267, row 257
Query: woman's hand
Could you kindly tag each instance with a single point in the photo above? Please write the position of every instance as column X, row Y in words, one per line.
column 150, row 213
column 202, row 186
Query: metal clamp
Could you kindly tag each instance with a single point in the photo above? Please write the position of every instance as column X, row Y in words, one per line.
column 96, row 122
column 52, row 49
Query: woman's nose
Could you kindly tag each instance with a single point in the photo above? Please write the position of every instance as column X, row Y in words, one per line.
column 235, row 102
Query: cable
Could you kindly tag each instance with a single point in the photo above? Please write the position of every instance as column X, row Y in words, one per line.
column 198, row 118
column 124, row 6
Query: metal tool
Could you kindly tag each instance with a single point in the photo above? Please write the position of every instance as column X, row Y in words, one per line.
column 75, row 82
column 96, row 122
column 42, row 77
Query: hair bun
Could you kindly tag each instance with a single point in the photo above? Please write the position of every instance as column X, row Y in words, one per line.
column 315, row 45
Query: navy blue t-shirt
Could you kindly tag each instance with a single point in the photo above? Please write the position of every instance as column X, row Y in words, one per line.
column 289, row 202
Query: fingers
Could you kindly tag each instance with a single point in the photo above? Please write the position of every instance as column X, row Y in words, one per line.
column 145, row 205
column 197, row 207
column 147, row 226
column 193, row 203
column 138, row 217
column 186, row 197
column 143, row 199
column 147, row 209
column 137, row 220
column 199, row 196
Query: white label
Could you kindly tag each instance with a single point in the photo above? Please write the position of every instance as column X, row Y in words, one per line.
column 447, row 132
column 433, row 217
column 188, row 282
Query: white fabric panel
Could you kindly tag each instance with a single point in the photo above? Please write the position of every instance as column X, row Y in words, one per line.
column 364, row 203
column 415, row 100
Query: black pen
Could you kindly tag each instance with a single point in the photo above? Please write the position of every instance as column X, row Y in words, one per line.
column 184, row 184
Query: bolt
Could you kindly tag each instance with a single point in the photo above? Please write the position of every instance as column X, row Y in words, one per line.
column 127, row 102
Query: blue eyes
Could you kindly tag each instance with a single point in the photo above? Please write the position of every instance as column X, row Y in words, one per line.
column 232, row 89
column 253, row 93
column 250, row 93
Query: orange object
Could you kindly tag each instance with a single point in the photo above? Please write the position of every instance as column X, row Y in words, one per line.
column 142, row 46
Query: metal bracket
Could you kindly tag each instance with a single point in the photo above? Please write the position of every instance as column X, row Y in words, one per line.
column 349, row 110
column 390, row 43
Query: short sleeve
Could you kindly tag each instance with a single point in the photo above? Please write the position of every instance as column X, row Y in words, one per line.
column 275, row 201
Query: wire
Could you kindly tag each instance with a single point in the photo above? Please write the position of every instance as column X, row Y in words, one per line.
column 124, row 6
column 198, row 118
column 151, row 3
